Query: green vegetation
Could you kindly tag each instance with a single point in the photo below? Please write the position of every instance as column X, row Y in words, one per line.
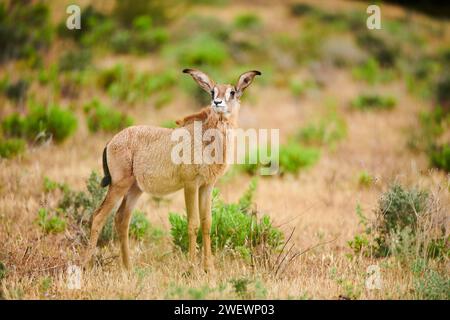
column 430, row 284
column 385, row 53
column 41, row 122
column 406, row 224
column 3, row 271
column 433, row 125
column 75, row 60
column 235, row 227
column 11, row 147
column 54, row 224
column 327, row 131
column 15, row 91
column 25, row 30
column 365, row 179
column 247, row 21
column 294, row 157
column 373, row 102
column 371, row 72
column 77, row 207
column 103, row 118
column 440, row 157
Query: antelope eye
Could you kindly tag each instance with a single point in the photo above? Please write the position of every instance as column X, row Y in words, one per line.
column 232, row 93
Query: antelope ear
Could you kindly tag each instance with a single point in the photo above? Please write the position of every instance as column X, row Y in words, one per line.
column 245, row 80
column 201, row 78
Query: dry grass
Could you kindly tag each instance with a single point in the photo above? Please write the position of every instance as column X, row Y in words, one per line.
column 319, row 203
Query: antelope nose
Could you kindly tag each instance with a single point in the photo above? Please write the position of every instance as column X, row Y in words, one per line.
column 217, row 102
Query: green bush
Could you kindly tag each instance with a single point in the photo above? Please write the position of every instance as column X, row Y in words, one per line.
column 301, row 9
column 431, row 285
column 371, row 72
column 11, row 147
column 93, row 21
column 54, row 224
column 406, row 224
column 128, row 12
column 297, row 88
column 122, row 84
column 440, row 157
column 3, row 271
column 442, row 91
column 378, row 47
column 327, row 131
column 141, row 228
column 25, row 30
column 52, row 121
column 201, row 50
column 14, row 125
column 373, row 102
column 169, row 124
column 365, row 179
column 294, row 157
column 17, row 91
column 141, row 37
column 79, row 206
column 103, row 118
column 234, row 226
column 139, row 225
column 41, row 122
column 75, row 60
column 247, row 21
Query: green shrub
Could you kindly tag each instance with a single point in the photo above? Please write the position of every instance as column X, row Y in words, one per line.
column 294, row 157
column 120, row 41
column 11, row 147
column 247, row 21
column 301, row 9
column 3, row 271
column 327, row 131
column 139, row 225
column 103, row 118
column 142, row 37
column 431, row 285
column 433, row 125
column 442, row 91
column 122, row 84
column 440, row 157
column 41, row 122
column 365, row 179
column 234, row 226
column 75, row 60
column 378, row 47
column 128, row 12
column 200, row 50
column 54, row 224
column 25, row 30
column 373, row 102
column 51, row 121
column 169, row 124
column 400, row 207
column 93, row 21
column 406, row 224
column 14, row 125
column 371, row 72
column 79, row 206
column 17, row 91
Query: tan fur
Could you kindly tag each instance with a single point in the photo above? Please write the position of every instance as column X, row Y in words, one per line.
column 139, row 160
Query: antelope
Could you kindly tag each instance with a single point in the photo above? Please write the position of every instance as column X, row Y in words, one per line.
column 138, row 159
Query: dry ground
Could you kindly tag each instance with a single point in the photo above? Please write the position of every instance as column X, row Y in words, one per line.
column 320, row 203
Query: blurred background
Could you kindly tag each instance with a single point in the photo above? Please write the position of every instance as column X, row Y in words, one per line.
column 357, row 110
